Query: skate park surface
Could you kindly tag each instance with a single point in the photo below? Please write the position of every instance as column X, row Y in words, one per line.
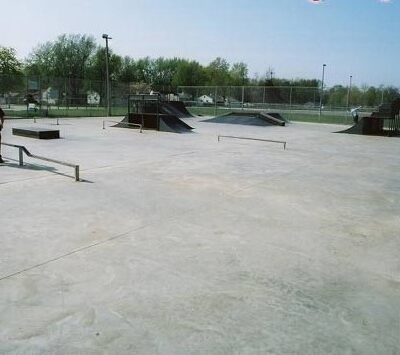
column 180, row 244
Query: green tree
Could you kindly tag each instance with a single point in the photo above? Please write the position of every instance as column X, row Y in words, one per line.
column 337, row 96
column 390, row 93
column 189, row 73
column 128, row 72
column 356, row 97
column 96, row 66
column 145, row 70
column 96, row 72
column 67, row 57
column 164, row 71
column 218, row 72
column 239, row 74
column 10, row 70
column 370, row 97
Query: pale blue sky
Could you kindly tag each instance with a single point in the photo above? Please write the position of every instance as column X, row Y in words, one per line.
column 353, row 37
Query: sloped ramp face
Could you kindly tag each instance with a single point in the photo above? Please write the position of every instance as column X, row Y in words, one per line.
column 147, row 120
column 176, row 108
column 242, row 119
column 170, row 123
column 272, row 119
column 370, row 126
column 278, row 116
column 166, row 123
column 356, row 129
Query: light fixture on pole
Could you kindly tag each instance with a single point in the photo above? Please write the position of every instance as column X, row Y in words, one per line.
column 107, row 37
column 349, row 93
column 322, row 89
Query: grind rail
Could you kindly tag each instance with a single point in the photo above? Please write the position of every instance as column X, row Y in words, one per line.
column 23, row 150
column 254, row 139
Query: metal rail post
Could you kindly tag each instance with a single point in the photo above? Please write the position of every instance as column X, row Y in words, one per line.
column 21, row 156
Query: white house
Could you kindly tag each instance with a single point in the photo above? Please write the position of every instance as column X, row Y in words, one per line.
column 183, row 96
column 50, row 95
column 93, row 98
column 172, row 97
column 205, row 99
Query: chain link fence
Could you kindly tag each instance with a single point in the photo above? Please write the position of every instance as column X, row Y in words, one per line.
column 30, row 96
column 22, row 96
column 333, row 105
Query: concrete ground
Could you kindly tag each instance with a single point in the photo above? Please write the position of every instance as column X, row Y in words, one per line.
column 178, row 244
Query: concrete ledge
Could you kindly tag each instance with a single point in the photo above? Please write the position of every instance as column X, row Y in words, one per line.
column 39, row 133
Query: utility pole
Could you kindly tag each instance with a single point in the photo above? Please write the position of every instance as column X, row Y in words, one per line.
column 107, row 37
column 349, row 93
column 322, row 89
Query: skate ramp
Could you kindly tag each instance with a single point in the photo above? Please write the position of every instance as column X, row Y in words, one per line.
column 384, row 122
column 162, row 122
column 170, row 123
column 355, row 129
column 368, row 126
column 274, row 120
column 148, row 121
column 176, row 108
column 248, row 118
column 278, row 116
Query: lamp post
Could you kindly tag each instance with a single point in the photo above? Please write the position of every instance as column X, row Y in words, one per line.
column 107, row 37
column 322, row 89
column 349, row 93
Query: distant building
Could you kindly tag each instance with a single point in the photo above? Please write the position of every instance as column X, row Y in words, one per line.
column 172, row 97
column 93, row 97
column 50, row 96
column 205, row 100
column 184, row 96
column 232, row 102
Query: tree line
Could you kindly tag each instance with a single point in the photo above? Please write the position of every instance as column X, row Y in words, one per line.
column 78, row 57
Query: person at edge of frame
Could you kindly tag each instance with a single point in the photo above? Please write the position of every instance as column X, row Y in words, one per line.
column 354, row 114
column 1, row 127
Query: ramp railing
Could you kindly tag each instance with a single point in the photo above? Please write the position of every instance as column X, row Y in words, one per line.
column 125, row 123
column 23, row 150
column 254, row 139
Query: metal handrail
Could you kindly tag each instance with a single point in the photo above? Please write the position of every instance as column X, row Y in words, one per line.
column 127, row 123
column 254, row 139
column 23, row 149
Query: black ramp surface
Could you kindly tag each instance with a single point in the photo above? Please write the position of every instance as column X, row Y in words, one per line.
column 147, row 120
column 180, row 106
column 249, row 120
column 278, row 116
column 271, row 119
column 173, row 124
column 369, row 126
column 356, row 129
column 170, row 108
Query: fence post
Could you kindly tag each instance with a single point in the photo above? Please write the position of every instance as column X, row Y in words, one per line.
column 76, row 172
column 21, row 156
column 242, row 97
column 215, row 101
column 264, row 97
column 290, row 98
